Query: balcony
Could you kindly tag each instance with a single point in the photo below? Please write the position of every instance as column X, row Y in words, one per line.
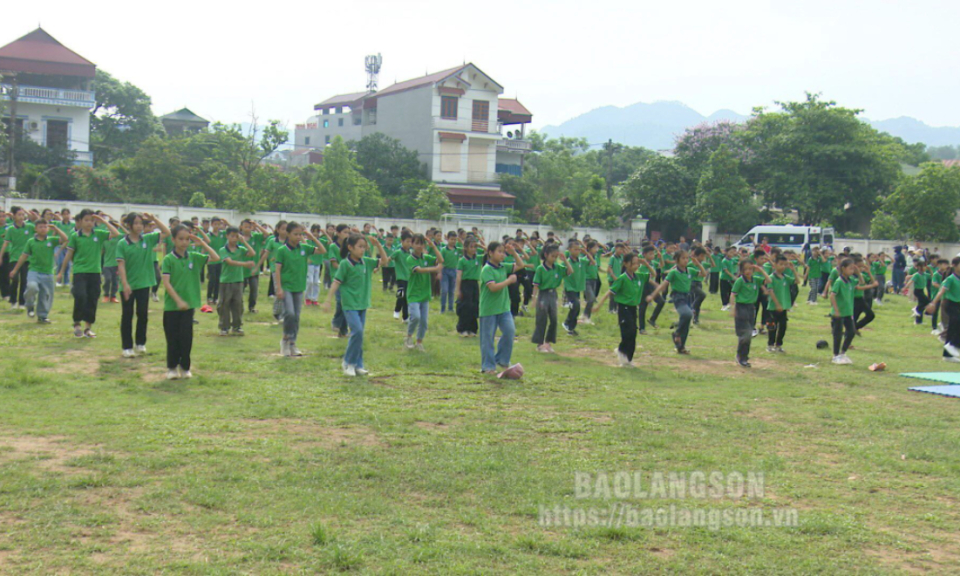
column 504, row 145
column 82, row 158
column 467, row 125
column 52, row 96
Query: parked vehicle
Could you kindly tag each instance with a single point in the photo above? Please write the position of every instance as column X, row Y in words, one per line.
column 787, row 237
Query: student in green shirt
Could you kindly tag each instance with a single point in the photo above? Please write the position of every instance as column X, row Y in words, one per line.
column 547, row 278
column 879, row 271
column 936, row 280
column 729, row 268
column 627, row 291
column 575, row 283
column 135, row 267
column 615, row 269
column 716, row 259
column 422, row 268
column 468, row 289
column 815, row 266
column 181, row 282
column 315, row 268
column 15, row 239
column 38, row 254
column 254, row 234
column 591, row 280
column 744, row 293
column 783, row 278
column 495, row 313
column 353, row 284
column 949, row 294
column 290, row 279
column 450, row 255
column 111, row 279
column 235, row 257
column 399, row 258
column 84, row 251
column 218, row 239
column 841, row 302
column 269, row 257
column 918, row 280
column 678, row 279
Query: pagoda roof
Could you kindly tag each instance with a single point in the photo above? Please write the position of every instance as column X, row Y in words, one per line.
column 184, row 115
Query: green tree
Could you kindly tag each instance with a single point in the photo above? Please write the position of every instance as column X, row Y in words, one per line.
column 558, row 217
column 198, row 200
column 432, row 203
column 97, row 185
column 926, row 204
column 121, row 119
column 596, row 210
column 339, row 185
column 885, row 227
column 157, row 173
column 663, row 191
column 723, row 195
column 696, row 145
column 389, row 165
column 943, row 152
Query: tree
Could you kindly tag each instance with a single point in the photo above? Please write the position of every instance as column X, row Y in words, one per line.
column 596, row 210
column 339, row 185
column 885, row 227
column 97, row 185
column 121, row 119
column 245, row 149
column 198, row 200
column 942, row 152
column 663, row 191
column 696, row 145
column 157, row 174
column 558, row 217
column 388, row 164
column 723, row 195
column 925, row 205
column 432, row 203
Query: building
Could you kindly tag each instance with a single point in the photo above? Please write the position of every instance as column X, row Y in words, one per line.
column 454, row 119
column 47, row 91
column 183, row 121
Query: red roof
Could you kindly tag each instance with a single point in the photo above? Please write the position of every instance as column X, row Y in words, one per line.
column 40, row 53
column 479, row 195
column 511, row 111
column 951, row 163
column 427, row 80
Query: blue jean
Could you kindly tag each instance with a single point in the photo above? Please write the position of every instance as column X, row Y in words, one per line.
column 42, row 285
column 488, row 331
column 292, row 304
column 419, row 312
column 681, row 302
column 356, row 320
column 448, row 289
column 60, row 254
column 313, row 282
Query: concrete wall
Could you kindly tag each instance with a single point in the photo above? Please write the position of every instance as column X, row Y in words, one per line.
column 78, row 130
column 406, row 116
column 318, row 135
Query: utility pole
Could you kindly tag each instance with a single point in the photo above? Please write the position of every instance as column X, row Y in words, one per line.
column 609, row 167
column 12, row 129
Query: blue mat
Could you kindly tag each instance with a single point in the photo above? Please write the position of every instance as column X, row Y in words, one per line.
column 945, row 377
column 953, row 391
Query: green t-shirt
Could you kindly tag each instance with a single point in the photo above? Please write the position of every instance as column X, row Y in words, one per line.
column 87, row 249
column 355, row 280
column 229, row 273
column 878, row 268
column 920, row 281
column 728, row 269
column 781, row 288
column 256, row 242
column 694, row 272
column 747, row 291
column 217, row 240
column 40, row 254
column 532, row 258
column 399, row 259
column 863, row 277
column 936, row 279
column 273, row 246
column 815, row 264
column 138, row 259
column 450, row 257
column 679, row 281
column 577, row 281
column 628, row 290
column 591, row 271
column 615, row 265
column 318, row 259
column 494, row 303
column 420, row 285
column 844, row 294
column 184, row 273
column 18, row 238
column 293, row 266
column 110, row 252
column 952, row 288
column 549, row 278
column 67, row 228
column 470, row 267
column 715, row 261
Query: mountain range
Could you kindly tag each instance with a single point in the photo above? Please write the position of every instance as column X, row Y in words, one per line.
column 656, row 125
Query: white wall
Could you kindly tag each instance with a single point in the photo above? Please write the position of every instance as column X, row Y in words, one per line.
column 318, row 135
column 78, row 130
column 406, row 116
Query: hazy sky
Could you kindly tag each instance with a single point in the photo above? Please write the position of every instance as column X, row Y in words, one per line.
column 561, row 58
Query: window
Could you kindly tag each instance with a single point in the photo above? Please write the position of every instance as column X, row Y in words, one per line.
column 326, row 123
column 56, row 134
column 448, row 107
column 357, row 120
column 786, row 239
column 814, row 238
column 340, row 122
column 326, row 139
column 306, row 141
column 450, row 155
column 481, row 116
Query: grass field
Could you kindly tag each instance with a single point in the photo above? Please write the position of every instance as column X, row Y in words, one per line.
column 267, row 465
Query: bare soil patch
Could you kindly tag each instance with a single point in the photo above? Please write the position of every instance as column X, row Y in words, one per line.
column 52, row 453
column 312, row 434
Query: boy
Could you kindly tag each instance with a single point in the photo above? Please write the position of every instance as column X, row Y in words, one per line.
column 254, row 235
column 236, row 256
column 574, row 283
column 729, row 269
column 84, row 251
column 399, row 259
column 495, row 310
column 448, row 277
column 784, row 276
column 16, row 238
column 814, row 274
column 950, row 294
column 614, row 269
column 38, row 255
column 218, row 239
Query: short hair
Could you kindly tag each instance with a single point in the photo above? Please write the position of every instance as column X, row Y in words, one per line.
column 178, row 229
column 629, row 257
column 781, row 258
column 699, row 251
column 83, row 213
column 130, row 218
column 232, row 230
column 548, row 250
column 406, row 235
column 40, row 221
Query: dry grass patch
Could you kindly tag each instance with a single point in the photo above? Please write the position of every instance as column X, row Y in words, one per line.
column 51, row 453
column 303, row 433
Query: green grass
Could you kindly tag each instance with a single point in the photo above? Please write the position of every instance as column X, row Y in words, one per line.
column 267, row 465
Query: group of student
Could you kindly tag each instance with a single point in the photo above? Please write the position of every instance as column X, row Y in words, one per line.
column 481, row 282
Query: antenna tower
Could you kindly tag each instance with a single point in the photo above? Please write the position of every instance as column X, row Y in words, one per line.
column 372, row 65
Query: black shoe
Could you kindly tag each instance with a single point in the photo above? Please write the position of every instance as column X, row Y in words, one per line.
column 642, row 332
column 743, row 363
column 653, row 324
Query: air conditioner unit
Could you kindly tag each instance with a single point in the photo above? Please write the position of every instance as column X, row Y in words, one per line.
column 33, row 126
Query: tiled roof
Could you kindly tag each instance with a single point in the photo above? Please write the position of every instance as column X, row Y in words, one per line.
column 340, row 100
column 183, row 115
column 40, row 53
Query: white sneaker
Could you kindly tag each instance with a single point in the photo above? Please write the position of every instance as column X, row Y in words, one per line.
column 935, row 332
column 913, row 312
column 30, row 313
column 172, row 374
column 420, row 348
column 408, row 342
column 141, row 348
column 951, row 359
column 837, row 360
column 846, row 359
column 771, row 348
column 755, row 333
column 155, row 297
column 724, row 308
column 294, row 351
column 349, row 371
column 396, row 315
column 951, row 350
column 622, row 359
column 129, row 353
column 185, row 374
column 361, row 371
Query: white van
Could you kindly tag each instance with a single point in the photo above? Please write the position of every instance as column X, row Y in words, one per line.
column 787, row 237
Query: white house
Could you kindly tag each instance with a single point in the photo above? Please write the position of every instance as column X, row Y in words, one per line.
column 46, row 89
column 452, row 118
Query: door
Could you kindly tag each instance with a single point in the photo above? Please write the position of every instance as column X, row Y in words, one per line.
column 56, row 134
column 477, row 164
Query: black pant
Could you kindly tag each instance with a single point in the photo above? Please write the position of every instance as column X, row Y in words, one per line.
column 726, row 287
column 951, row 312
column 253, row 285
column 514, row 290
column 794, row 292
column 527, row 286
column 545, row 329
column 862, row 307
column 178, row 328
column 389, row 278
column 5, row 276
column 922, row 301
column 18, row 284
column 270, row 291
column 744, row 320
column 468, row 307
column 156, row 273
column 778, row 327
column 843, row 329
column 213, row 283
column 111, row 281
column 401, row 305
column 763, row 314
column 139, row 298
column 714, row 282
column 574, row 299
column 86, row 293
column 627, row 316
column 642, row 314
column 698, row 295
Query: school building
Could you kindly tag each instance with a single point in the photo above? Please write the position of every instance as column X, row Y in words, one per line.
column 455, row 119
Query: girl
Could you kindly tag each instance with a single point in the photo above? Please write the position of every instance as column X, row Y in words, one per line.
column 38, row 254
column 936, row 281
column 314, row 268
column 591, row 281
column 269, row 256
column 841, row 302
column 627, row 290
column 450, row 255
column 678, row 279
column 651, row 255
column 84, row 250
column 468, row 289
column 16, row 238
column 615, row 269
column 546, row 279
column 354, row 283
column 495, row 309
column 918, row 281
column 399, row 259
column 111, row 279
column 697, row 278
column 815, row 264
column 950, row 294
column 135, row 266
column 879, row 271
column 744, row 294
column 290, row 280
column 716, row 260
column 422, row 269
column 863, row 300
column 181, row 282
